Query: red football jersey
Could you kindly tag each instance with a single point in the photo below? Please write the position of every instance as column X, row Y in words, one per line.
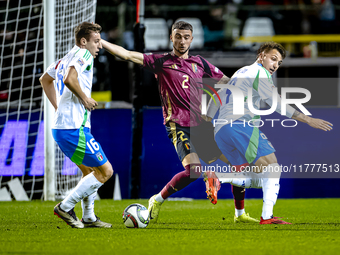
column 180, row 84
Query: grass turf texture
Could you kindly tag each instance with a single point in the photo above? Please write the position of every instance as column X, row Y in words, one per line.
column 184, row 227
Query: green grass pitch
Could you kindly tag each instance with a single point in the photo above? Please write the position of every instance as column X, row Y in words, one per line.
column 184, row 227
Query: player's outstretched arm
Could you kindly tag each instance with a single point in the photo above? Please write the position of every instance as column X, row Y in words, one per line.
column 294, row 114
column 315, row 123
column 71, row 81
column 134, row 56
column 46, row 82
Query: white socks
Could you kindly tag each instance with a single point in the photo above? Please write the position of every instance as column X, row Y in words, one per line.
column 256, row 180
column 271, row 187
column 242, row 180
column 239, row 212
column 159, row 198
column 267, row 210
column 87, row 186
column 87, row 204
column 268, row 180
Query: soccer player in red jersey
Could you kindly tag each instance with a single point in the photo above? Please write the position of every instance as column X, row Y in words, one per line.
column 180, row 78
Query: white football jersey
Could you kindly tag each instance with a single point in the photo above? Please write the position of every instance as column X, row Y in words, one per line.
column 71, row 112
column 256, row 77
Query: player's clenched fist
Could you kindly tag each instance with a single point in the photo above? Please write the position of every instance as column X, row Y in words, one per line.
column 89, row 103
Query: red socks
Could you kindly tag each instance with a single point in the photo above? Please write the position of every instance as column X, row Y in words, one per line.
column 191, row 173
column 238, row 194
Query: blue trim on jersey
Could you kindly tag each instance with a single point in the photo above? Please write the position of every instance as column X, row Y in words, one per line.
column 216, row 116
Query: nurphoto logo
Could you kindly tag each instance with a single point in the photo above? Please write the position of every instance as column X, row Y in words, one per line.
column 239, row 104
column 238, row 100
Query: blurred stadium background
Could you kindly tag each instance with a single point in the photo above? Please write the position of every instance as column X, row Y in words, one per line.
column 226, row 33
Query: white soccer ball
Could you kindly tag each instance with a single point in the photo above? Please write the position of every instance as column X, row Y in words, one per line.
column 136, row 216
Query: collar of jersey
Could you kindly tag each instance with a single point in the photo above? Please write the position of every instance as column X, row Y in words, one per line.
column 173, row 54
column 259, row 64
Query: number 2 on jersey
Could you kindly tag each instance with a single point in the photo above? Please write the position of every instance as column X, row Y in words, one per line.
column 184, row 81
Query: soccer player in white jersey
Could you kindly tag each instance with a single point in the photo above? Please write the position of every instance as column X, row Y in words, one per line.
column 242, row 143
column 68, row 83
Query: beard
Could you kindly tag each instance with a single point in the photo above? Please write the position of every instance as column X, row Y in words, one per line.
column 181, row 52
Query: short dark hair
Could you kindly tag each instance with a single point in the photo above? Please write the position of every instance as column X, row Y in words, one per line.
column 268, row 46
column 84, row 30
column 182, row 25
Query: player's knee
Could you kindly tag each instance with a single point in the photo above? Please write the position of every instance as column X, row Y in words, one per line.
column 108, row 173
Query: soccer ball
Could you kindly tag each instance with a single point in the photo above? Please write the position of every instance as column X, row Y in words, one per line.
column 136, row 216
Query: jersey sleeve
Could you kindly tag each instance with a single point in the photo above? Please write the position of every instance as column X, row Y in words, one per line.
column 151, row 62
column 211, row 71
column 51, row 70
column 82, row 60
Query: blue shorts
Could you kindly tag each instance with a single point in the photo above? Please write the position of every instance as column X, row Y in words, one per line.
column 80, row 146
column 242, row 144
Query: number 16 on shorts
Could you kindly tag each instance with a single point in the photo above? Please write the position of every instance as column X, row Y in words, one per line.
column 93, row 145
column 94, row 148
